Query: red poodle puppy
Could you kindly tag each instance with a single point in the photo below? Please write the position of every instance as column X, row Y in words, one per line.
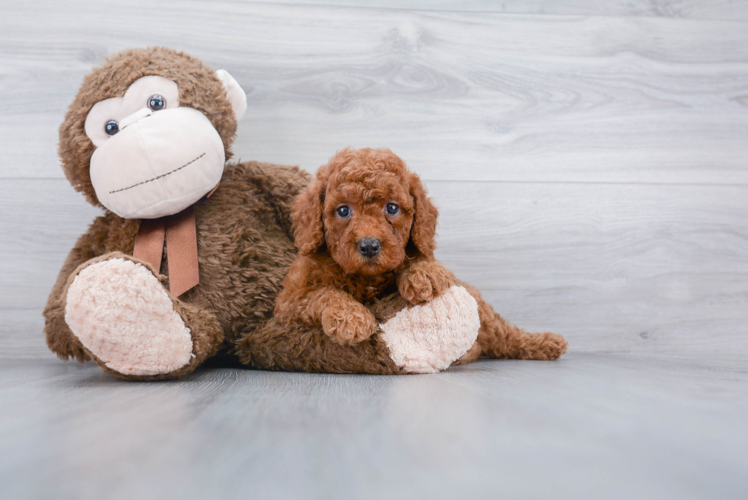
column 365, row 230
column 364, row 227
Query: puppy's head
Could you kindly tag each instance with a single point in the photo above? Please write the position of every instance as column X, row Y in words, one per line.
column 367, row 210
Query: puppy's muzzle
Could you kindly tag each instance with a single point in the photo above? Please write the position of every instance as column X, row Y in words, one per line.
column 369, row 247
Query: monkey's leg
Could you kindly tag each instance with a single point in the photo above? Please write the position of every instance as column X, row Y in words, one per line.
column 126, row 320
column 499, row 339
column 419, row 339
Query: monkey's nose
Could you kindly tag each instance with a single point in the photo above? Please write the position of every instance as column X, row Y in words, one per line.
column 139, row 114
column 368, row 247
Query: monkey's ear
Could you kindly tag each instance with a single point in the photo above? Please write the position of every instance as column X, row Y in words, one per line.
column 234, row 92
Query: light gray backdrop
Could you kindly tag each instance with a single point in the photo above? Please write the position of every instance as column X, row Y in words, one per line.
column 590, row 170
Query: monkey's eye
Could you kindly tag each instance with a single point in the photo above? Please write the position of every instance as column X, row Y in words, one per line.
column 392, row 209
column 111, row 127
column 156, row 102
column 343, row 211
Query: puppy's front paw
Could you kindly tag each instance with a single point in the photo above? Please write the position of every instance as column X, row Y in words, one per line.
column 348, row 325
column 424, row 281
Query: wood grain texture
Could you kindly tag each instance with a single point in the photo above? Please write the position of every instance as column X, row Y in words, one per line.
column 591, row 170
column 21, row 335
column 41, row 220
column 587, row 426
column 631, row 268
column 461, row 95
column 726, row 10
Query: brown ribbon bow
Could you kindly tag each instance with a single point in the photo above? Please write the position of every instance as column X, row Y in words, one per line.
column 180, row 233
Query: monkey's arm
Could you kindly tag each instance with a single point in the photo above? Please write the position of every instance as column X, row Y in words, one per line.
column 281, row 185
column 59, row 337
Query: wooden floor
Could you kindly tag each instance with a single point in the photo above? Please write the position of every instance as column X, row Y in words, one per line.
column 590, row 162
column 590, row 426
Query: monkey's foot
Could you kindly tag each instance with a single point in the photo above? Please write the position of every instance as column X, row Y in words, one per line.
column 429, row 337
column 123, row 315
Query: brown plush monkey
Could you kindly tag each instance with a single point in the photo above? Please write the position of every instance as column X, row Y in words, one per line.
column 191, row 251
column 147, row 138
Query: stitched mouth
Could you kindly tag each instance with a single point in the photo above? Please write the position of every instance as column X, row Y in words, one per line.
column 157, row 177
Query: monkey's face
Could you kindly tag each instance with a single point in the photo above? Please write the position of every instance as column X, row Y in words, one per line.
column 153, row 158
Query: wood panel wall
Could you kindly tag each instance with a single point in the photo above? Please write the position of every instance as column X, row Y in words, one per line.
column 590, row 159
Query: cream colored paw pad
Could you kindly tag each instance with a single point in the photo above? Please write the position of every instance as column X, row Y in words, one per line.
column 429, row 337
column 123, row 315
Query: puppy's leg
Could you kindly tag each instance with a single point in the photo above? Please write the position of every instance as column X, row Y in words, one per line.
column 500, row 339
column 343, row 319
column 423, row 281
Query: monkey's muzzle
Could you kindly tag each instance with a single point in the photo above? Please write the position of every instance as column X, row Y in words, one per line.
column 158, row 164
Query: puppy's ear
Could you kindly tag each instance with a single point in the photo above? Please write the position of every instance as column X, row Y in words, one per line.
column 309, row 234
column 424, row 221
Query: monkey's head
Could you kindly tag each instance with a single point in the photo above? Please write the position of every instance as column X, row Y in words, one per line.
column 149, row 132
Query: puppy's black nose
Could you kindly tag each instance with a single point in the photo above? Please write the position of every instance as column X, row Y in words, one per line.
column 368, row 247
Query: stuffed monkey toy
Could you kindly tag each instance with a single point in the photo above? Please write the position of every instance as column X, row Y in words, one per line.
column 191, row 251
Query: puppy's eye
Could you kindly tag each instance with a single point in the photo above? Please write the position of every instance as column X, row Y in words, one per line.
column 392, row 209
column 156, row 102
column 343, row 211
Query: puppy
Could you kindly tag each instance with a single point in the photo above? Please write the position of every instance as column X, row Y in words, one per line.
column 364, row 230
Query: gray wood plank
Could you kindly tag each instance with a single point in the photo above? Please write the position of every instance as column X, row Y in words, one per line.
column 21, row 335
column 588, row 426
column 614, row 268
column 41, row 220
column 646, row 268
column 462, row 95
column 692, row 9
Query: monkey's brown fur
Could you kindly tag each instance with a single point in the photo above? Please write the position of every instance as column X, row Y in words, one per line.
column 333, row 297
column 245, row 240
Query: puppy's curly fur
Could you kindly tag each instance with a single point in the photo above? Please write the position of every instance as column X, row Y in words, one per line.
column 369, row 195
